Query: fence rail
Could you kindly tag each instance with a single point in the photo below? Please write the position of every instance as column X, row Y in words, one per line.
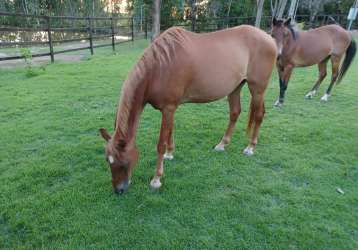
column 53, row 32
column 21, row 30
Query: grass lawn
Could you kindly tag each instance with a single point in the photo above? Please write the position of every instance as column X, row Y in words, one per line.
column 55, row 186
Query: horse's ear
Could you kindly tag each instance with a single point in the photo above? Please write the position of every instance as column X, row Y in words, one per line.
column 104, row 134
column 274, row 21
column 288, row 21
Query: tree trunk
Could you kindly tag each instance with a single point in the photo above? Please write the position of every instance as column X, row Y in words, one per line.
column 260, row 5
column 24, row 5
column 228, row 14
column 292, row 10
column 193, row 15
column 156, row 19
column 281, row 8
column 93, row 8
column 273, row 8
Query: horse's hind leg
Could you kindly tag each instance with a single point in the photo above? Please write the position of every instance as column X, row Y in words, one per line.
column 165, row 130
column 235, row 109
column 322, row 67
column 257, row 112
column 335, row 69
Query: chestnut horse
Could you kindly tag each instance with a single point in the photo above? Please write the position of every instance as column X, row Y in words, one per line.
column 316, row 46
column 181, row 67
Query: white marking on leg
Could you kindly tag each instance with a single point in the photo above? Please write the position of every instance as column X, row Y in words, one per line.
column 310, row 94
column 278, row 103
column 220, row 147
column 249, row 150
column 111, row 159
column 325, row 97
column 155, row 182
column 168, row 156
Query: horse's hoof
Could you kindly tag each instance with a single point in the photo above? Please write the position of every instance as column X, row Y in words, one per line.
column 155, row 183
column 249, row 151
column 310, row 94
column 278, row 104
column 168, row 156
column 219, row 148
column 324, row 98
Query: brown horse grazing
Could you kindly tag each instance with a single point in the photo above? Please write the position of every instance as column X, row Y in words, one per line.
column 181, row 67
column 316, row 46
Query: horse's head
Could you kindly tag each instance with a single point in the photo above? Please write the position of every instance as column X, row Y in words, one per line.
column 121, row 157
column 281, row 32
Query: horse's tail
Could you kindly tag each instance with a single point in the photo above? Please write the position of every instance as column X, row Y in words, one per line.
column 350, row 53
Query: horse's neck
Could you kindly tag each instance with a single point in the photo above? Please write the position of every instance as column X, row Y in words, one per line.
column 130, row 107
column 293, row 46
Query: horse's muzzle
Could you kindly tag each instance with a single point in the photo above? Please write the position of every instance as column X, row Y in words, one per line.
column 122, row 187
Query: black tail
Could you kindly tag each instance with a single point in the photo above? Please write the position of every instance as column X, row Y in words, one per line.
column 350, row 53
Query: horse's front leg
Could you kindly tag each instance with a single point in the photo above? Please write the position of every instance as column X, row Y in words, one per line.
column 165, row 130
column 284, row 75
column 170, row 146
column 256, row 116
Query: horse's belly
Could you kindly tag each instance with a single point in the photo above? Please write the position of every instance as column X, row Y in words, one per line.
column 216, row 71
column 210, row 90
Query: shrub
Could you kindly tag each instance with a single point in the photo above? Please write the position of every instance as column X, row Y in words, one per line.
column 30, row 70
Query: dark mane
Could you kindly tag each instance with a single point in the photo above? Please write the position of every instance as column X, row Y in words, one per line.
column 293, row 32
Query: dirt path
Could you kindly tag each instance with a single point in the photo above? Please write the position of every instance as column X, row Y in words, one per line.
column 40, row 61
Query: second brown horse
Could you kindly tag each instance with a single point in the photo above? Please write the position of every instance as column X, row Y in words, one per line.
column 306, row 48
column 181, row 67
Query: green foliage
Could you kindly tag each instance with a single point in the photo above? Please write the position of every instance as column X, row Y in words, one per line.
column 55, row 185
column 31, row 71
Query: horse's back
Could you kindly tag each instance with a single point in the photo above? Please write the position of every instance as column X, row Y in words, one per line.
column 209, row 66
column 223, row 59
column 331, row 35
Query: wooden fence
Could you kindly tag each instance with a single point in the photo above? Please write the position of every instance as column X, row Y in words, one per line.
column 85, row 30
column 56, row 30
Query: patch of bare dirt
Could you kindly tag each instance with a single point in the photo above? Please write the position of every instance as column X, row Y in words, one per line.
column 41, row 60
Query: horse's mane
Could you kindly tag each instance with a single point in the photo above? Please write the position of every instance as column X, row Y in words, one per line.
column 165, row 47
column 154, row 62
column 293, row 32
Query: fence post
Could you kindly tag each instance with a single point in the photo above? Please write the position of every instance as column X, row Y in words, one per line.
column 146, row 27
column 48, row 19
column 132, row 27
column 90, row 33
column 112, row 28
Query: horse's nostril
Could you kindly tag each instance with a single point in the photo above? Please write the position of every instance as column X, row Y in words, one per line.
column 119, row 190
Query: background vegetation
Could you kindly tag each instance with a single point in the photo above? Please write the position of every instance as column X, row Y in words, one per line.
column 169, row 8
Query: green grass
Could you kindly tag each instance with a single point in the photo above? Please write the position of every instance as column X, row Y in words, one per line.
column 55, row 189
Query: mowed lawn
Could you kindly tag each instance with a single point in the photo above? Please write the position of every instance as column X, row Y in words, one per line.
column 55, row 186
